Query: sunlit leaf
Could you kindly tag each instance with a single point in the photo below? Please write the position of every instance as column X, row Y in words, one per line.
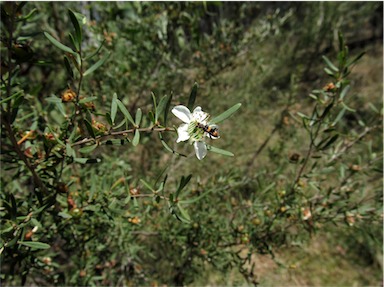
column 138, row 117
column 114, row 107
column 58, row 44
column 330, row 64
column 88, row 149
column 35, row 244
column 219, row 151
column 97, row 64
column 124, row 110
column 136, row 138
column 225, row 114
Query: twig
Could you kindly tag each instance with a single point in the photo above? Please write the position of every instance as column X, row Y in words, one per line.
column 348, row 146
column 120, row 133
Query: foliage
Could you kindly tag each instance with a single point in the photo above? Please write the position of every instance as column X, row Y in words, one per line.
column 94, row 192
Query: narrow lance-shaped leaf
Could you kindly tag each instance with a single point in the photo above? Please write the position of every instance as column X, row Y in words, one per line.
column 330, row 64
column 354, row 60
column 70, row 151
column 74, row 42
column 35, row 245
column 58, row 44
column 77, row 27
column 136, row 138
column 96, row 52
column 138, row 117
column 97, row 65
column 330, row 142
column 87, row 100
column 124, row 110
column 344, row 92
column 219, row 151
column 149, row 186
column 154, row 101
column 225, row 114
column 184, row 214
column 88, row 149
column 68, row 67
column 89, row 128
column 183, row 182
column 114, row 107
column 161, row 107
column 192, row 96
column 166, row 110
column 329, row 72
column 167, row 147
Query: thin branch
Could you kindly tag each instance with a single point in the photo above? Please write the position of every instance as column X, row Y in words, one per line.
column 120, row 133
column 349, row 145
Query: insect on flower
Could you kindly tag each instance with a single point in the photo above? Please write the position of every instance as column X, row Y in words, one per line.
column 211, row 130
column 195, row 128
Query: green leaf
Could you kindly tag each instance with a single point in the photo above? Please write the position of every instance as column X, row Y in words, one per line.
column 15, row 95
column 330, row 64
column 58, row 44
column 87, row 100
column 115, row 127
column 167, row 147
column 329, row 143
column 124, row 110
column 327, row 110
column 70, row 151
column 147, row 185
column 329, row 72
column 89, row 128
column 161, row 107
column 219, row 151
column 341, row 41
column 76, row 25
column 154, row 105
column 354, row 60
column 166, row 110
column 64, row 215
column 347, row 108
column 74, row 42
column 339, row 116
column 136, row 138
column 226, row 114
column 68, row 67
column 96, row 52
column 301, row 115
column 114, row 107
column 35, row 244
column 97, row 64
column 88, row 149
column 183, row 182
column 87, row 160
column 184, row 214
column 192, row 96
column 138, row 117
column 344, row 92
column 108, row 118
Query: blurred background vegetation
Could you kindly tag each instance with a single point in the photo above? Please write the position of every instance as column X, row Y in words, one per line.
column 273, row 213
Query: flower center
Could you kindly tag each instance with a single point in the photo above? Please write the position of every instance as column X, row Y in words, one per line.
column 195, row 133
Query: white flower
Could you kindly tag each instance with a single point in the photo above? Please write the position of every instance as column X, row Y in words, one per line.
column 192, row 129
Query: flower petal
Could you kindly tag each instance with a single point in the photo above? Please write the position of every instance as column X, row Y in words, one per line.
column 182, row 131
column 199, row 115
column 200, row 149
column 182, row 113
